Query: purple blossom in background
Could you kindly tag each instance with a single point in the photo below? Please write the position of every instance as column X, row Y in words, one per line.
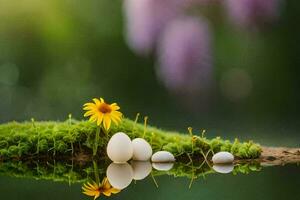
column 252, row 13
column 185, row 55
column 145, row 21
column 202, row 2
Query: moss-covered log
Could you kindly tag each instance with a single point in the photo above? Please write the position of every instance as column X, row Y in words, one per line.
column 70, row 138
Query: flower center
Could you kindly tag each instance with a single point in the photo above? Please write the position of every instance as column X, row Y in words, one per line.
column 104, row 108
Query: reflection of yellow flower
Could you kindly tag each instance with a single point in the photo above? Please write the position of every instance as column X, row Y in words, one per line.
column 94, row 190
column 104, row 113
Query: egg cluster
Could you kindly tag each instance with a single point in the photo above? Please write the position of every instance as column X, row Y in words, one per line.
column 121, row 149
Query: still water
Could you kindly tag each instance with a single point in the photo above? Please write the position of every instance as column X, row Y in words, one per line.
column 276, row 182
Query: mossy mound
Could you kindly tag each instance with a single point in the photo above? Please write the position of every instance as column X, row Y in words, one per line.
column 70, row 138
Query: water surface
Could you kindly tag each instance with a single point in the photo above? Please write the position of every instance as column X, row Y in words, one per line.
column 278, row 182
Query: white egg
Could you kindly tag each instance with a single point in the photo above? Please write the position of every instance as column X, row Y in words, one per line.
column 119, row 148
column 162, row 166
column 119, row 175
column 222, row 157
column 142, row 150
column 162, row 157
column 223, row 169
column 141, row 169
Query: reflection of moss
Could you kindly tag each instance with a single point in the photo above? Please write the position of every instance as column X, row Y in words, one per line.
column 196, row 170
column 81, row 172
column 187, row 170
column 246, row 168
column 27, row 139
column 50, row 170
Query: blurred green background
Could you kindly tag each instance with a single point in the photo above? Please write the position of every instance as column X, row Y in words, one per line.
column 56, row 55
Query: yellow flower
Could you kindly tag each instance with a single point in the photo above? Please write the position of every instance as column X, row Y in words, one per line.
column 94, row 190
column 104, row 113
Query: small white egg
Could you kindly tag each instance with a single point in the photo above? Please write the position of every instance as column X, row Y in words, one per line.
column 119, row 148
column 162, row 157
column 223, row 169
column 162, row 166
column 222, row 157
column 141, row 169
column 119, row 175
column 142, row 150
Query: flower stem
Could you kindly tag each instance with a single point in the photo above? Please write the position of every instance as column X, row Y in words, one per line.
column 145, row 125
column 96, row 172
column 95, row 149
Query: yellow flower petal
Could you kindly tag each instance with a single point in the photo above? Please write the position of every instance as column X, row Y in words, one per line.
column 93, row 186
column 91, row 189
column 96, row 196
column 96, row 186
column 88, row 113
column 115, row 120
column 106, row 122
column 91, row 193
column 88, row 104
column 114, row 190
column 114, row 106
column 87, row 188
column 100, row 118
column 93, row 118
column 105, row 184
column 107, row 193
column 117, row 113
column 90, row 108
column 97, row 102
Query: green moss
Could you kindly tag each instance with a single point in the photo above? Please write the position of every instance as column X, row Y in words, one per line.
column 28, row 139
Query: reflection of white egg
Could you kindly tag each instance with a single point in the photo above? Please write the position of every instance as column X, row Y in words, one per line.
column 162, row 157
column 119, row 175
column 222, row 158
column 119, row 148
column 142, row 150
column 141, row 169
column 223, row 169
column 162, row 166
